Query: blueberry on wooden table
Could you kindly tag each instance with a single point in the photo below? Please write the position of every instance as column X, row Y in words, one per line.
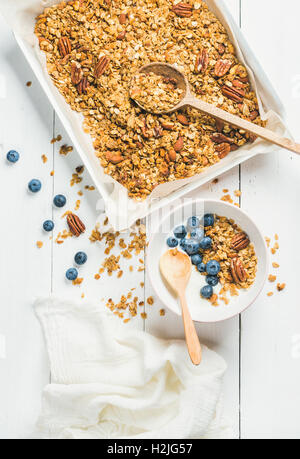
column 213, row 267
column 206, row 243
column 201, row 267
column 209, row 220
column 80, row 258
column 180, row 232
column 206, row 291
column 172, row 242
column 198, row 234
column 196, row 259
column 193, row 223
column 34, row 185
column 72, row 274
column 48, row 225
column 59, row 200
column 212, row 280
column 12, row 156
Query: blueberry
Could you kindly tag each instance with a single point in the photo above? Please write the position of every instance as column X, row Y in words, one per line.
column 80, row 258
column 196, row 259
column 201, row 267
column 48, row 225
column 193, row 223
column 191, row 246
column 172, row 242
column 206, row 291
column 12, row 156
column 34, row 185
column 206, row 243
column 72, row 274
column 209, row 220
column 59, row 200
column 212, row 280
column 180, row 232
column 198, row 234
column 213, row 267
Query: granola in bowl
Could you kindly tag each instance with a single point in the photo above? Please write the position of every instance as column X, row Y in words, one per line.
column 94, row 47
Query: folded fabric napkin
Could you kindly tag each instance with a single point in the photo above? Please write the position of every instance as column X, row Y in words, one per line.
column 112, row 381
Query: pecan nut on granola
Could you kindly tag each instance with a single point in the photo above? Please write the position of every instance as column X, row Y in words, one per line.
column 238, row 271
column 240, row 241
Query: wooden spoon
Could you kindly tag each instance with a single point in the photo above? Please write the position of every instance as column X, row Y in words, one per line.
column 188, row 99
column 176, row 268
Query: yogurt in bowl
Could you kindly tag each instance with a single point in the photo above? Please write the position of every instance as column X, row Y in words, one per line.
column 237, row 246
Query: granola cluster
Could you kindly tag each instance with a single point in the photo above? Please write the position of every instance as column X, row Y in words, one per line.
column 236, row 255
column 155, row 93
column 94, row 47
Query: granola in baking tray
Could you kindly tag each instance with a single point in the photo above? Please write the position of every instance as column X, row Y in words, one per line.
column 154, row 92
column 94, row 47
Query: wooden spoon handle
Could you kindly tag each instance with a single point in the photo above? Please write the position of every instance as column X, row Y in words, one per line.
column 191, row 337
column 243, row 124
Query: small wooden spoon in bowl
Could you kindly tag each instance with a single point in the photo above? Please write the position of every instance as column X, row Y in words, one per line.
column 188, row 99
column 176, row 269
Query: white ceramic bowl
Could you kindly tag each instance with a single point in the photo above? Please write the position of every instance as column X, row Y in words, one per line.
column 201, row 309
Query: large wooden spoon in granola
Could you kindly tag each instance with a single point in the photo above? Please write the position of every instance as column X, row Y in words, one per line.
column 171, row 74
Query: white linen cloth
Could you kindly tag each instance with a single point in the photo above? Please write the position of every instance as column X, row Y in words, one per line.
column 112, row 381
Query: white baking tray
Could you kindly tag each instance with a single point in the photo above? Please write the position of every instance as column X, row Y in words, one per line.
column 121, row 210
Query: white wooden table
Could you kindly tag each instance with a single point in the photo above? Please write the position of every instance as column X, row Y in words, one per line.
column 262, row 347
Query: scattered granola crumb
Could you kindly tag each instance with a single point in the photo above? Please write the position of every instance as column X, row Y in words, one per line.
column 52, row 173
column 270, row 294
column 162, row 312
column 126, row 320
column 82, row 295
column 150, row 300
column 273, row 251
column 268, row 240
column 77, row 281
column 214, row 182
column 225, row 190
column 142, row 284
column 120, row 274
column 276, row 237
column 97, row 276
column 144, row 315
column 28, row 84
column 39, row 244
column 80, row 193
column 56, row 139
column 275, row 265
column 280, row 287
column 44, row 159
column 89, row 187
column 272, row 278
column 77, row 206
column 227, row 198
column 238, row 193
column 65, row 149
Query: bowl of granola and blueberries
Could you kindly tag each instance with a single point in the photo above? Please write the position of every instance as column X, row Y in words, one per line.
column 228, row 256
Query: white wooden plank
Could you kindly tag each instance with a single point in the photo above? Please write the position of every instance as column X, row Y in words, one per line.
column 222, row 337
column 25, row 271
column 270, row 402
column 107, row 286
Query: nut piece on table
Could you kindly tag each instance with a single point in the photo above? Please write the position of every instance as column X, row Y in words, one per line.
column 240, row 241
column 238, row 271
column 75, row 224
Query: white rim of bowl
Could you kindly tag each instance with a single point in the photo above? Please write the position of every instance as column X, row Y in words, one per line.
column 225, row 204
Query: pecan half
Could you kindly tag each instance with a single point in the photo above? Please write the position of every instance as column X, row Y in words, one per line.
column 172, row 154
column 64, row 46
column 254, row 115
column 82, row 87
column 183, row 10
column 222, row 67
column 167, row 126
column 178, row 145
column 183, row 119
column 223, row 149
column 76, row 73
column 220, row 125
column 240, row 241
column 234, row 94
column 114, row 157
column 238, row 271
column 201, row 62
column 101, row 66
column 218, row 137
column 123, row 18
column 75, row 224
